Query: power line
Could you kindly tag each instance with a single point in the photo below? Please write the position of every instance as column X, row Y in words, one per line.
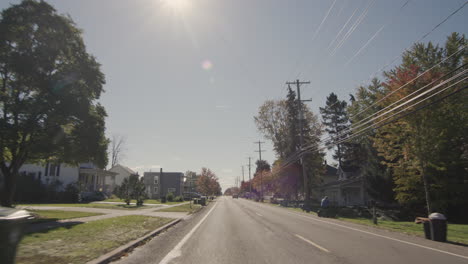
column 420, row 39
column 376, row 125
column 301, row 139
column 350, row 129
column 404, row 85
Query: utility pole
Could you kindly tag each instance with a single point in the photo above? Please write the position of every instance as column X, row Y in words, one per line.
column 301, row 142
column 259, row 149
column 250, row 181
column 260, row 158
column 243, row 180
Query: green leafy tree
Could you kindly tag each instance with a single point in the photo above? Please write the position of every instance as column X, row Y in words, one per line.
column 426, row 150
column 49, row 86
column 132, row 187
column 207, row 183
column 378, row 177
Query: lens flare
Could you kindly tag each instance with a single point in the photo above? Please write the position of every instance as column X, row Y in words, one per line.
column 207, row 65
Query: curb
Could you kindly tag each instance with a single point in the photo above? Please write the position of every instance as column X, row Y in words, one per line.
column 116, row 253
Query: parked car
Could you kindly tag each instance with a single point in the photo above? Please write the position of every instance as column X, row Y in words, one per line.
column 191, row 195
column 235, row 196
column 92, row 196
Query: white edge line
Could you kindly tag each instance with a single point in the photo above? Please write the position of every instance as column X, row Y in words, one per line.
column 176, row 251
column 259, row 214
column 370, row 233
column 382, row 236
column 313, row 244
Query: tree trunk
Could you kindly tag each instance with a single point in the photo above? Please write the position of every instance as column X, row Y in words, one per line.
column 8, row 190
column 426, row 188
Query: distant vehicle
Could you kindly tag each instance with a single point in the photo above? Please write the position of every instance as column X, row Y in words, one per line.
column 235, row 196
column 92, row 196
column 191, row 195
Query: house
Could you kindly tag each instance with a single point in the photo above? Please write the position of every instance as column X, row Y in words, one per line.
column 343, row 188
column 121, row 172
column 89, row 177
column 159, row 184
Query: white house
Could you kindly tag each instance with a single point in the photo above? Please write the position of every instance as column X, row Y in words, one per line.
column 89, row 176
column 120, row 173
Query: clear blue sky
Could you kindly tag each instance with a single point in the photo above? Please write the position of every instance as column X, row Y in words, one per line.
column 185, row 80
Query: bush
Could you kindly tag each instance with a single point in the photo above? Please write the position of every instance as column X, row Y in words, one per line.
column 170, row 197
column 71, row 194
column 179, row 199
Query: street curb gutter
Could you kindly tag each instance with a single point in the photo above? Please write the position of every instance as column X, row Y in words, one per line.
column 116, row 253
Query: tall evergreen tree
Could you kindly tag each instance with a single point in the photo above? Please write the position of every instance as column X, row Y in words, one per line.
column 336, row 121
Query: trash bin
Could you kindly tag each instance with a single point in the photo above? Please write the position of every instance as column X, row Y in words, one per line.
column 438, row 224
column 12, row 225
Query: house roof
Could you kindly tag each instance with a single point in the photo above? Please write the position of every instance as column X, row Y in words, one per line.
column 127, row 169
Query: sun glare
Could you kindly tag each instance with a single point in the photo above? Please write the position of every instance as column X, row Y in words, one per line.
column 178, row 5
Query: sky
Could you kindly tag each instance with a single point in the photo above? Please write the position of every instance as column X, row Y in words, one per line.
column 184, row 79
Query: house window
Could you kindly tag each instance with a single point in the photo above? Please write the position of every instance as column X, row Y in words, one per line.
column 156, row 190
column 171, row 190
column 156, row 179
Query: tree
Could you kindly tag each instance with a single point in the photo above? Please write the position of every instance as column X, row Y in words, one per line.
column 262, row 165
column 49, row 86
column 278, row 121
column 425, row 150
column 133, row 187
column 377, row 176
column 336, row 123
column 117, row 149
column 207, row 183
column 272, row 122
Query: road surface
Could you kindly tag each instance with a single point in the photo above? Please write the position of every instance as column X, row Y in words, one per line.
column 242, row 231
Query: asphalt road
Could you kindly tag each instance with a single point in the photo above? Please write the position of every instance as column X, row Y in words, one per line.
column 241, row 231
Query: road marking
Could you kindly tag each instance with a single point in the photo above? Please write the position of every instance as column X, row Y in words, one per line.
column 259, row 214
column 382, row 236
column 177, row 250
column 370, row 233
column 313, row 244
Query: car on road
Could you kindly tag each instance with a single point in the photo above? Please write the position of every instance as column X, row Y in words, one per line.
column 235, row 196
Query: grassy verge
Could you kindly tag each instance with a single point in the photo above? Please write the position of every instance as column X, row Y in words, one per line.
column 91, row 205
column 182, row 208
column 149, row 201
column 455, row 233
column 54, row 215
column 84, row 242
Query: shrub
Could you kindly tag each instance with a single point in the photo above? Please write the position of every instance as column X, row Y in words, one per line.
column 70, row 194
column 179, row 199
column 170, row 197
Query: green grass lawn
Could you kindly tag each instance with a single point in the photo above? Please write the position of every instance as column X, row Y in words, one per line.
column 149, row 201
column 84, row 242
column 92, row 205
column 182, row 208
column 455, row 233
column 54, row 215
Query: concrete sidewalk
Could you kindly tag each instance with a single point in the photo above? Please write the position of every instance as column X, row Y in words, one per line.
column 106, row 213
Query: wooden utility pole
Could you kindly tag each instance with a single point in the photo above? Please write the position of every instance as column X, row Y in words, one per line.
column 243, row 180
column 301, row 142
column 250, row 180
column 259, row 149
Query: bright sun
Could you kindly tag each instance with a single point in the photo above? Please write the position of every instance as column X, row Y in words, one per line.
column 178, row 5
